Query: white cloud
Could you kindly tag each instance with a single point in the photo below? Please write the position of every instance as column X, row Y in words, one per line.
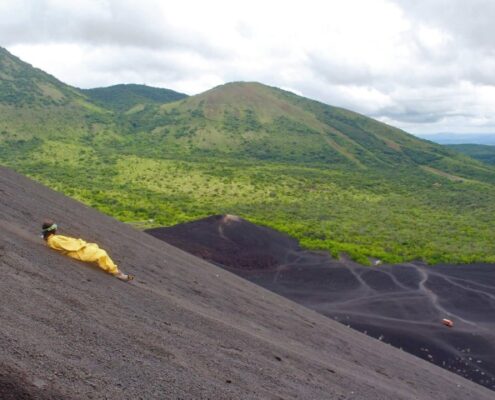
column 424, row 66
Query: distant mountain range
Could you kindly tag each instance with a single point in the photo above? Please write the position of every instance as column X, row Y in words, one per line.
column 332, row 178
column 461, row 138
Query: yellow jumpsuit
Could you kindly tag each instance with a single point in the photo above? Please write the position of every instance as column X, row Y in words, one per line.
column 81, row 250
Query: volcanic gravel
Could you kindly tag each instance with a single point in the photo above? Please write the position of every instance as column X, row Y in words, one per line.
column 184, row 329
column 398, row 304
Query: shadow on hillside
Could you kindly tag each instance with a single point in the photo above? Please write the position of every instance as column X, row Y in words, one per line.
column 14, row 385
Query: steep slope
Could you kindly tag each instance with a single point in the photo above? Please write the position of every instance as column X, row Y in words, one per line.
column 230, row 241
column 41, row 115
column 23, row 85
column 184, row 329
column 38, row 113
column 125, row 96
column 401, row 304
column 34, row 104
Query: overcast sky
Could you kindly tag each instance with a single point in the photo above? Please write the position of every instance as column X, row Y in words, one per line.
column 423, row 65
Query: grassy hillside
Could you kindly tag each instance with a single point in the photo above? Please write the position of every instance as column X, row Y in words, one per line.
column 254, row 121
column 482, row 152
column 35, row 106
column 124, row 97
column 332, row 178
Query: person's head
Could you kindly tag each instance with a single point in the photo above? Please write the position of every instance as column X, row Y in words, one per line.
column 48, row 228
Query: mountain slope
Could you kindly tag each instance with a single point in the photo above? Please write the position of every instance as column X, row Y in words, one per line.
column 25, row 90
column 402, row 305
column 241, row 119
column 184, row 329
column 35, row 106
column 40, row 114
column 23, row 85
column 124, row 97
column 331, row 178
column 245, row 119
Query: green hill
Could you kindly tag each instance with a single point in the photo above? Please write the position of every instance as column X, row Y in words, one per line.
column 124, row 97
column 254, row 121
column 332, row 178
column 482, row 152
column 22, row 85
column 251, row 120
column 35, row 106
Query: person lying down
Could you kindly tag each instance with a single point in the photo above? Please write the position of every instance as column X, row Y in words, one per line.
column 81, row 250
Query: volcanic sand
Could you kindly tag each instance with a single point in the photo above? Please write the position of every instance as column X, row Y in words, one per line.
column 184, row 329
column 399, row 304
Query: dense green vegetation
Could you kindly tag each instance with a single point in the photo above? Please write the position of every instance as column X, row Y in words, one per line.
column 342, row 211
column 124, row 97
column 481, row 152
column 332, row 178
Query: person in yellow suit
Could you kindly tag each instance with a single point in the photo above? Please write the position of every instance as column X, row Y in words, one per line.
column 81, row 250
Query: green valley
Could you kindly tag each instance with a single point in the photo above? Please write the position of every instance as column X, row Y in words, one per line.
column 334, row 179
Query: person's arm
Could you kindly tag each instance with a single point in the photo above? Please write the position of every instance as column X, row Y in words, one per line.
column 65, row 243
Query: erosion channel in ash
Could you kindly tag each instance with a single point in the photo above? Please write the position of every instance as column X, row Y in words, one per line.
column 403, row 305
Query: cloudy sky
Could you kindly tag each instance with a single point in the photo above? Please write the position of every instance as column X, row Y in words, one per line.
column 425, row 66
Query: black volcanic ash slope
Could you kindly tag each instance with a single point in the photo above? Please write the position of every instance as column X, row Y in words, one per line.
column 184, row 329
column 400, row 304
column 230, row 241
